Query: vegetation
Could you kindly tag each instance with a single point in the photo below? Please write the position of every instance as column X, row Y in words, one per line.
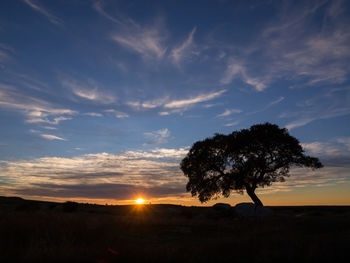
column 243, row 160
column 168, row 233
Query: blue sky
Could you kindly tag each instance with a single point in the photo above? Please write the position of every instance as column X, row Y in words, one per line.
column 100, row 100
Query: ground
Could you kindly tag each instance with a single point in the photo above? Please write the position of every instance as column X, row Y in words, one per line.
column 34, row 231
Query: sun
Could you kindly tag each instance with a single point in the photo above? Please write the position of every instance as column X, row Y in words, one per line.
column 139, row 201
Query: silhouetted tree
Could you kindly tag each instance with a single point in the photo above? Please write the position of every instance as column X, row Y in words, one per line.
column 243, row 160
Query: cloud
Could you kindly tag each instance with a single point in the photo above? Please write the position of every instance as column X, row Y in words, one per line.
column 146, row 42
column 148, row 104
column 174, row 106
column 303, row 177
column 101, row 191
column 87, row 89
column 336, row 147
column 305, row 43
column 93, row 114
column 36, row 110
column 49, row 128
column 157, row 137
column 314, row 57
column 184, row 103
column 159, row 153
column 25, row 82
column 299, row 123
column 272, row 103
column 117, row 114
column 40, row 9
column 156, row 173
column 182, row 51
column 228, row 112
column 6, row 52
column 98, row 6
column 4, row 56
column 52, row 137
column 320, row 148
column 55, row 120
column 235, row 69
column 153, row 173
column 232, row 124
column 7, row 48
column 345, row 141
column 276, row 101
column 329, row 103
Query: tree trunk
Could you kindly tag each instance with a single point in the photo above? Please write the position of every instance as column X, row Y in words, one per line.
column 253, row 196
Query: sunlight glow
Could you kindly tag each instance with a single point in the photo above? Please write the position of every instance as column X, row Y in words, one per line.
column 140, row 201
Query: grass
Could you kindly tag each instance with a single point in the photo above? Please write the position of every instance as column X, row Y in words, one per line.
column 33, row 231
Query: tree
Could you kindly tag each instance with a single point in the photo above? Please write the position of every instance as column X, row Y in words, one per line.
column 243, row 160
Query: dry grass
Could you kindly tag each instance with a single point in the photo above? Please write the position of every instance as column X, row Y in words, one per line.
column 43, row 232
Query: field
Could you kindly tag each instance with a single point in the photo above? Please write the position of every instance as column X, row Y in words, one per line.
column 35, row 231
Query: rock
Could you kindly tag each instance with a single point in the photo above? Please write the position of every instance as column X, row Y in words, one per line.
column 246, row 210
column 222, row 206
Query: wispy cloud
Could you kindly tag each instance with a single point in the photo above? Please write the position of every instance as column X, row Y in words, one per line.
column 184, row 103
column 157, row 137
column 228, row 112
column 93, row 114
column 52, row 137
column 55, row 120
column 313, row 57
column 6, row 53
column 168, row 106
column 4, row 56
column 36, row 110
column 98, row 6
column 336, row 147
column 40, row 9
column 272, row 103
column 145, row 41
column 25, row 81
column 230, row 124
column 49, row 128
column 148, row 40
column 302, row 177
column 164, row 113
column 321, row 148
column 345, row 141
column 235, row 69
column 182, row 51
column 328, row 104
column 148, row 104
column 276, row 101
column 290, row 47
column 118, row 114
column 87, row 89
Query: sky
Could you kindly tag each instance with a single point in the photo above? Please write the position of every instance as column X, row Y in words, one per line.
column 101, row 100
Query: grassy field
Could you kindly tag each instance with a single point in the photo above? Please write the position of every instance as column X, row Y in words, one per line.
column 33, row 231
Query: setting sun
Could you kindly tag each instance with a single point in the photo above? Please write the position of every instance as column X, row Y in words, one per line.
column 140, row 201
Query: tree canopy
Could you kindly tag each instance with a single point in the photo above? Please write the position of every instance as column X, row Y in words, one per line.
column 243, row 160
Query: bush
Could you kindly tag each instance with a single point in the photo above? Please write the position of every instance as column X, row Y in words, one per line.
column 70, row 206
